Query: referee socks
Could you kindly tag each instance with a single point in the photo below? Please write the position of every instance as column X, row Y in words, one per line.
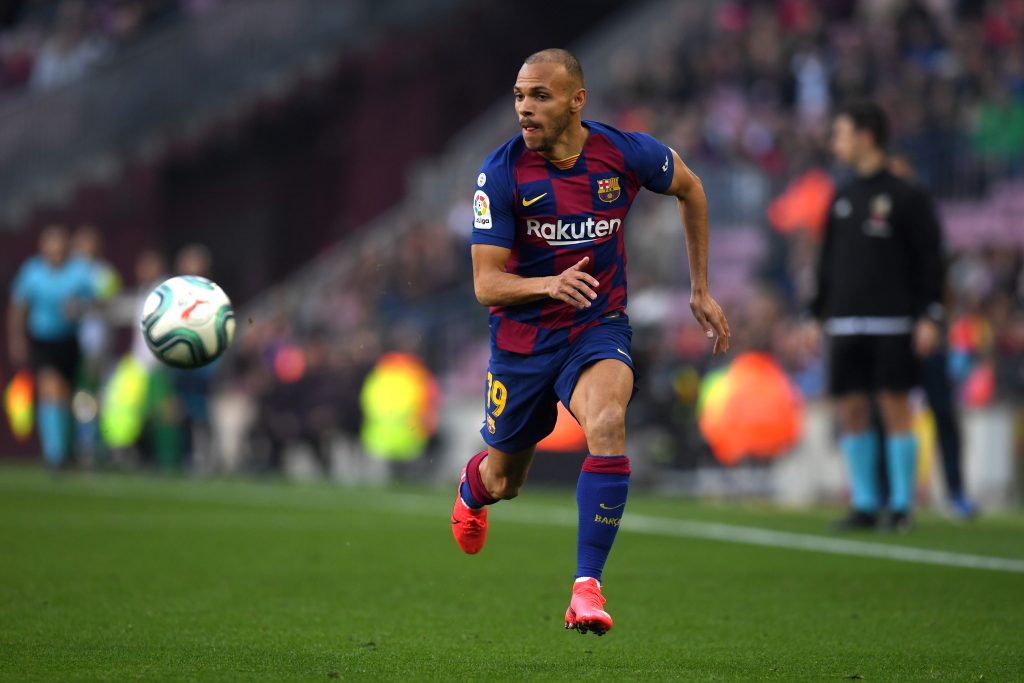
column 54, row 431
column 902, row 467
column 860, row 450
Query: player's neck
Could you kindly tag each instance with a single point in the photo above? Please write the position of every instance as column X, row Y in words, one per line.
column 569, row 144
column 870, row 164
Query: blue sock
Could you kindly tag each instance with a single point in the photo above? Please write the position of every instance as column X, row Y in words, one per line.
column 467, row 497
column 902, row 464
column 861, row 453
column 601, row 498
column 53, row 431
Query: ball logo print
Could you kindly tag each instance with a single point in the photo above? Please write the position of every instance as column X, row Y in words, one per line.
column 188, row 322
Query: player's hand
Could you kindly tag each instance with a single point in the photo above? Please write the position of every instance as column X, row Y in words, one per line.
column 927, row 335
column 711, row 318
column 573, row 286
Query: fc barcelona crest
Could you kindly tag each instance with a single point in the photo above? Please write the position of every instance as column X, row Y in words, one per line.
column 608, row 189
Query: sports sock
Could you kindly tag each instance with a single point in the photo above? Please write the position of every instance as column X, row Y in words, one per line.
column 601, row 498
column 473, row 492
column 861, row 453
column 902, row 452
column 54, row 424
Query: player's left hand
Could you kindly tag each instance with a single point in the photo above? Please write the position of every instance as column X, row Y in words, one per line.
column 711, row 318
column 927, row 335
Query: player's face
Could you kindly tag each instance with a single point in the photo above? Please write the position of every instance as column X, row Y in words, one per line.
column 544, row 95
column 848, row 143
column 54, row 245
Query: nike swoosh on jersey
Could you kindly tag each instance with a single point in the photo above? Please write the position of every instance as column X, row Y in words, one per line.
column 623, row 353
column 530, row 202
column 614, row 507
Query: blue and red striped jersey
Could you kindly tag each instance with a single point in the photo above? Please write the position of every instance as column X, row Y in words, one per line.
column 551, row 217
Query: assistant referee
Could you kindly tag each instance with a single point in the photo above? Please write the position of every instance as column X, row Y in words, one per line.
column 879, row 303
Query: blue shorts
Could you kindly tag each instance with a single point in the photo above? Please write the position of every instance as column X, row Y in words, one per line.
column 522, row 392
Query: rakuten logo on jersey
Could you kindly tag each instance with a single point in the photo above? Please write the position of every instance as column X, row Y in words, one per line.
column 561, row 234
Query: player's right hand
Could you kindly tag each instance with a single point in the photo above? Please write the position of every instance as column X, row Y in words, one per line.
column 573, row 286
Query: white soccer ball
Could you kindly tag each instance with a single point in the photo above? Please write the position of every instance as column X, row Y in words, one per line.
column 188, row 321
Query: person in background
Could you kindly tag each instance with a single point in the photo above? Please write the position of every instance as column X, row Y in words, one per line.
column 879, row 299
column 50, row 292
column 94, row 337
column 938, row 390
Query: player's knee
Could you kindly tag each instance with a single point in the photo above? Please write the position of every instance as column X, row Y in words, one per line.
column 608, row 424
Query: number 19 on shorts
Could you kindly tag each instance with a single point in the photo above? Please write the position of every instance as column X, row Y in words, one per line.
column 497, row 396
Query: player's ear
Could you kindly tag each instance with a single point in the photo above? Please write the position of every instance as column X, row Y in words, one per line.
column 579, row 98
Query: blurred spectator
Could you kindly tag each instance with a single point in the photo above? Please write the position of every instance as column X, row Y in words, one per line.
column 46, row 44
column 95, row 338
column 71, row 51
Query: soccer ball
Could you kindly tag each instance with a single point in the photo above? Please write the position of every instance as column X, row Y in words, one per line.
column 188, row 321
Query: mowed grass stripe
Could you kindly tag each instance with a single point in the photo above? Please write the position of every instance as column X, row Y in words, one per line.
column 263, row 496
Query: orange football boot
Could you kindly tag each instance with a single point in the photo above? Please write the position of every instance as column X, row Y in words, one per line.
column 469, row 526
column 585, row 611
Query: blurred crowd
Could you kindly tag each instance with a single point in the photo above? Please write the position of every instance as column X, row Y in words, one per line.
column 45, row 44
column 754, row 82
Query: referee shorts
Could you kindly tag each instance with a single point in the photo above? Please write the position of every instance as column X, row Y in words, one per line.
column 865, row 363
column 60, row 355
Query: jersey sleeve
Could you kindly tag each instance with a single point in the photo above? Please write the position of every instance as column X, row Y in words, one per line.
column 21, row 288
column 493, row 201
column 650, row 160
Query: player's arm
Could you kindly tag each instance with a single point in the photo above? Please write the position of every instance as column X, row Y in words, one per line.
column 811, row 328
column 693, row 211
column 17, row 340
column 928, row 278
column 495, row 287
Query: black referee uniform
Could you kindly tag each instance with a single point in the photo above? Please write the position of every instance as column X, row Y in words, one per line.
column 879, row 272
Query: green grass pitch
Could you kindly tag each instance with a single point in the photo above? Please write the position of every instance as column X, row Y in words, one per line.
column 110, row 577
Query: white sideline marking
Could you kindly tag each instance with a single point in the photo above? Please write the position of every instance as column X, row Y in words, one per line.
column 729, row 533
column 425, row 504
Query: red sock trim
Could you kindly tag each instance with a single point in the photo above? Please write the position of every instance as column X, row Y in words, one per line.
column 476, row 484
column 607, row 464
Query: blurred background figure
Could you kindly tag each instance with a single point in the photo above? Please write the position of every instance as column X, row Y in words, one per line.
column 49, row 295
column 95, row 339
column 400, row 404
column 879, row 300
column 71, row 51
column 940, row 394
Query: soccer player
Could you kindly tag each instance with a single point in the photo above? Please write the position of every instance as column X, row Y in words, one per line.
column 49, row 295
column 549, row 260
column 879, row 298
